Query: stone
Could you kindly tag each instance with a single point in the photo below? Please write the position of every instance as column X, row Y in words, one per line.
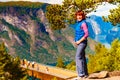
column 93, row 76
column 100, row 75
column 103, row 74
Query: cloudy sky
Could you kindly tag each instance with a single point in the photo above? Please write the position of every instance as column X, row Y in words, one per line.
column 103, row 10
column 46, row 1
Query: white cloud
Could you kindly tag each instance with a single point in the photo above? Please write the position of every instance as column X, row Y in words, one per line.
column 103, row 10
column 56, row 1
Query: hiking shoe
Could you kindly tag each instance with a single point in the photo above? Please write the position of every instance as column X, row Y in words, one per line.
column 85, row 76
column 79, row 78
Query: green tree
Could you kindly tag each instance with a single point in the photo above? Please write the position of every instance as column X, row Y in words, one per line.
column 114, row 16
column 55, row 16
column 60, row 63
column 105, row 59
column 97, row 60
column 115, row 53
column 10, row 67
column 61, row 15
column 71, row 66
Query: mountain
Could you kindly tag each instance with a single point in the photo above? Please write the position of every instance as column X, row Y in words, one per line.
column 26, row 33
column 23, row 30
column 103, row 32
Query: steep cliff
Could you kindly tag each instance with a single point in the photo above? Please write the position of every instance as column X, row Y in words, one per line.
column 26, row 33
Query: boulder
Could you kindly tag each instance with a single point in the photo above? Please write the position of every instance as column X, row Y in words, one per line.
column 100, row 75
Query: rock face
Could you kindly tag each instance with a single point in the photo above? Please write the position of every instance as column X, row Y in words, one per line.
column 29, row 36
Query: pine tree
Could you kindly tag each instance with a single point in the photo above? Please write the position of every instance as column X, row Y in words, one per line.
column 98, row 61
column 10, row 67
column 55, row 16
column 4, row 59
column 115, row 53
column 61, row 15
column 105, row 59
column 60, row 62
column 114, row 16
column 71, row 66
